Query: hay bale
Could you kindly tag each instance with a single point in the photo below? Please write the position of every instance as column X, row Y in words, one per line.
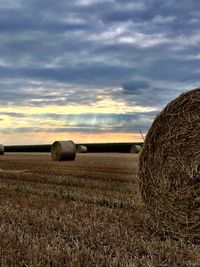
column 81, row 149
column 135, row 149
column 63, row 150
column 2, row 149
column 169, row 167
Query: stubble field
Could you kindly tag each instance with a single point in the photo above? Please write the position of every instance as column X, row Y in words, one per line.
column 83, row 213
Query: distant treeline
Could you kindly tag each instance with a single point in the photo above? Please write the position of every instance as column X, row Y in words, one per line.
column 28, row 148
column 110, row 147
column 91, row 148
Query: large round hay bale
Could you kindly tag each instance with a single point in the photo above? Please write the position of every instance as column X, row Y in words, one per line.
column 169, row 167
column 135, row 149
column 63, row 150
column 2, row 149
column 81, row 149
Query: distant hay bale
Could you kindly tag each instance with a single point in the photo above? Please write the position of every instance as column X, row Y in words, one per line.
column 2, row 149
column 169, row 167
column 63, row 150
column 81, row 149
column 135, row 149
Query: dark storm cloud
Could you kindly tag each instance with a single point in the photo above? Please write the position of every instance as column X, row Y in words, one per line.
column 147, row 10
column 43, row 93
column 88, row 122
column 134, row 87
column 13, row 114
column 63, row 52
column 156, row 97
column 95, row 119
column 92, row 74
column 125, row 128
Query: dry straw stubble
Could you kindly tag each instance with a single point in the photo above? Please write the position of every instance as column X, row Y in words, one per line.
column 169, row 167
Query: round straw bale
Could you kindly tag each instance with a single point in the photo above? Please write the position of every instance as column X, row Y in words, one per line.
column 169, row 167
column 135, row 149
column 63, row 150
column 81, row 149
column 2, row 149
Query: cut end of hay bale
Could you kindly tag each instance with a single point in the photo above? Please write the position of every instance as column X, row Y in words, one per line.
column 81, row 149
column 169, row 167
column 2, row 149
column 63, row 150
column 135, row 149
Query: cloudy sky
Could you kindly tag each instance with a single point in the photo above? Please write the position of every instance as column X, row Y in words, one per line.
column 93, row 70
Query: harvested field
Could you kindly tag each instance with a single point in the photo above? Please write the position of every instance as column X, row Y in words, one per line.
column 86, row 212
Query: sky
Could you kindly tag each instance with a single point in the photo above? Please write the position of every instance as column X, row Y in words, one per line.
column 93, row 70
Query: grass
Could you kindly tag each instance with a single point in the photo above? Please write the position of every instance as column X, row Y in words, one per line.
column 83, row 213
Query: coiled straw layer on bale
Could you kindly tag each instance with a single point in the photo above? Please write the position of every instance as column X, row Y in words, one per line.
column 81, row 149
column 63, row 150
column 2, row 149
column 135, row 149
column 169, row 167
